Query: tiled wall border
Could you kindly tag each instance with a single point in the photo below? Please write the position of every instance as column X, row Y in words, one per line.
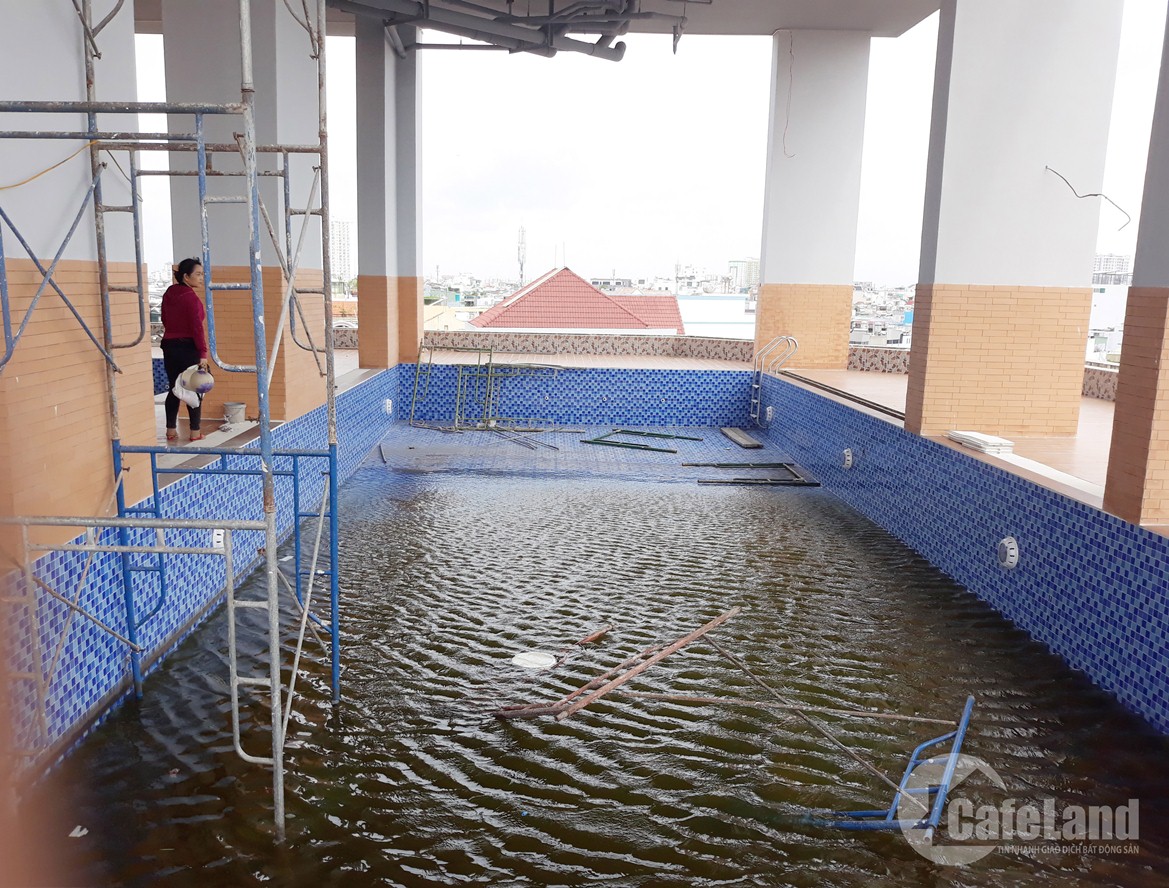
column 91, row 674
column 594, row 344
column 1092, row 587
column 1099, row 382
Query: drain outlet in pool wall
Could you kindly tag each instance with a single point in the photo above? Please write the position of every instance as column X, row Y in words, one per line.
column 848, row 457
column 1008, row 552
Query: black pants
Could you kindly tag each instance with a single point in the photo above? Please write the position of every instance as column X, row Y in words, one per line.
column 177, row 356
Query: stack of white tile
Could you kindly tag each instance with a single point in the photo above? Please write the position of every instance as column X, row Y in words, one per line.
column 981, row 442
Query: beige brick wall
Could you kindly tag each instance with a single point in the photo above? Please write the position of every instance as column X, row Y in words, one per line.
column 410, row 317
column 377, row 334
column 1137, row 488
column 55, row 419
column 390, row 309
column 1000, row 360
column 296, row 386
column 817, row 315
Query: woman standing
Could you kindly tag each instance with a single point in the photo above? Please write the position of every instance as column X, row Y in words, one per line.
column 183, row 341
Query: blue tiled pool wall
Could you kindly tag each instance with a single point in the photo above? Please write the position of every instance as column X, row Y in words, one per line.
column 595, row 396
column 91, row 663
column 1093, row 588
column 158, row 369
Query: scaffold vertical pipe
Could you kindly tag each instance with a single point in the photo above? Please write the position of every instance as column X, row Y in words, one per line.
column 139, row 258
column 330, row 370
column 95, row 166
column 7, row 317
column 127, row 576
column 334, row 569
column 248, row 97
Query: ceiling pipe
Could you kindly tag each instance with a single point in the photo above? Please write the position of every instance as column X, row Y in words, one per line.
column 395, row 41
column 501, row 33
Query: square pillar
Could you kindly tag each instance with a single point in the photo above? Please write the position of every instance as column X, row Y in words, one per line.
column 1004, row 294
column 819, row 81
column 203, row 64
column 389, row 197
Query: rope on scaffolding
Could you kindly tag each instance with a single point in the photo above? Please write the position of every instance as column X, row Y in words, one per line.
column 49, row 169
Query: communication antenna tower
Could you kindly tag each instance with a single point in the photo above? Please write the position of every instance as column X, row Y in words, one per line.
column 521, row 254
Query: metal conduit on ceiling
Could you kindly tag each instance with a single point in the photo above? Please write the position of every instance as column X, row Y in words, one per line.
column 544, row 34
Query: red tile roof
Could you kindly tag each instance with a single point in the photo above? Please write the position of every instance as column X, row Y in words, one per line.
column 562, row 300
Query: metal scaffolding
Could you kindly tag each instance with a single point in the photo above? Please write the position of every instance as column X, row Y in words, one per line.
column 478, row 390
column 143, row 531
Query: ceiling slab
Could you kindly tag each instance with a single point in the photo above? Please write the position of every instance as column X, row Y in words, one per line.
column 881, row 18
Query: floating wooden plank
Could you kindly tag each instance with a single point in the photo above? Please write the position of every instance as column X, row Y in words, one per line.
column 739, row 465
column 762, row 482
column 740, row 437
column 534, row 710
column 584, row 701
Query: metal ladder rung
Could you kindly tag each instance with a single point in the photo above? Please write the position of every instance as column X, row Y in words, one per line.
column 231, row 286
column 226, row 199
column 253, row 682
column 253, row 604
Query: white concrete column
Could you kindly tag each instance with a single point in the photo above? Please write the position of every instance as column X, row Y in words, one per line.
column 816, row 135
column 1019, row 86
column 203, row 63
column 389, row 196
column 1022, row 91
column 42, row 59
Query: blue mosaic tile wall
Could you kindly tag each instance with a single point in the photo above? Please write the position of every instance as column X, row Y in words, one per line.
column 159, row 371
column 595, row 396
column 86, row 663
column 1094, row 588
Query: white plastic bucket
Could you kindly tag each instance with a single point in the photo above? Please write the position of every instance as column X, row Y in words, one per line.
column 233, row 412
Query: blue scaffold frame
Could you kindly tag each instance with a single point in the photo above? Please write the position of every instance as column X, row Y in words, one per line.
column 886, row 818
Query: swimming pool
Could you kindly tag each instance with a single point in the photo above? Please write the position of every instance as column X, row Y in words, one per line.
column 460, row 551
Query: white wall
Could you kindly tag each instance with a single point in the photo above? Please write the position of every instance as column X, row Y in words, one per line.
column 42, row 59
column 814, row 145
column 1019, row 86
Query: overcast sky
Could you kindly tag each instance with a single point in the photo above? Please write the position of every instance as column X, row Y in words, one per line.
column 659, row 159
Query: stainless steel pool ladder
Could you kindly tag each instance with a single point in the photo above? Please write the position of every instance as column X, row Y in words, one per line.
column 772, row 356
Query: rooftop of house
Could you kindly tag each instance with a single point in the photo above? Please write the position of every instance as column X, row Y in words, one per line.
column 560, row 299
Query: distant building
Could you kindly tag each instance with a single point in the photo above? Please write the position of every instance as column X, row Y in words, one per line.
column 613, row 283
column 340, row 250
column 744, row 274
column 1112, row 263
column 562, row 301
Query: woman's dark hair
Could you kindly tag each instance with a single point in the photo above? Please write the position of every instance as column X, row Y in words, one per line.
column 184, row 268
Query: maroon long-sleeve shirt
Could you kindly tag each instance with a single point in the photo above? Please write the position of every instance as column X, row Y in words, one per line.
column 183, row 315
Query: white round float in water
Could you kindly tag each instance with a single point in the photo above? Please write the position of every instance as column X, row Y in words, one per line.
column 534, row 660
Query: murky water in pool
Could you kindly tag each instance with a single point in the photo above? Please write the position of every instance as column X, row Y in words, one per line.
column 448, row 575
